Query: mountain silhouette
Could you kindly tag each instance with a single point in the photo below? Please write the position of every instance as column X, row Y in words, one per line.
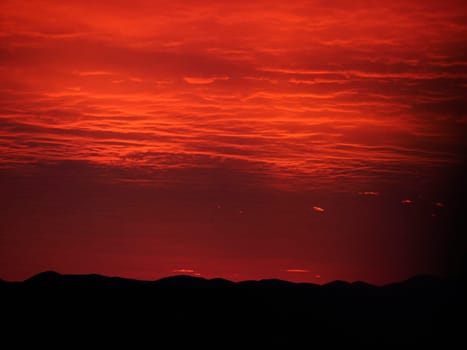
column 52, row 279
column 193, row 311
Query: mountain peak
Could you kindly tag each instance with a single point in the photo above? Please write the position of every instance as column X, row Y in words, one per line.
column 45, row 276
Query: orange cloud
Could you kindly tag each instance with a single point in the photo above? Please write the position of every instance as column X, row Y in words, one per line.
column 226, row 83
column 203, row 81
column 95, row 73
column 348, row 74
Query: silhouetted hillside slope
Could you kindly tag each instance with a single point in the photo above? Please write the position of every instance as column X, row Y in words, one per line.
column 189, row 311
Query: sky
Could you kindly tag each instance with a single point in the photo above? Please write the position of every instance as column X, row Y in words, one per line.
column 303, row 140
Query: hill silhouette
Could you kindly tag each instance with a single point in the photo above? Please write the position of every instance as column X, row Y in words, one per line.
column 193, row 311
column 54, row 279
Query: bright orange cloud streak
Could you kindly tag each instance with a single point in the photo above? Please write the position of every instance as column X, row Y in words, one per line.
column 318, row 209
column 202, row 81
column 183, row 270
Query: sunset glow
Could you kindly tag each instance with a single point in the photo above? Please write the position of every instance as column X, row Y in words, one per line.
column 140, row 136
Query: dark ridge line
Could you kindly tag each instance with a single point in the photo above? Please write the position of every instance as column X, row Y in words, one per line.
column 189, row 280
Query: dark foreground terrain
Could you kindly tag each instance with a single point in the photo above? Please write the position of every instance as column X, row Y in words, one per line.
column 94, row 311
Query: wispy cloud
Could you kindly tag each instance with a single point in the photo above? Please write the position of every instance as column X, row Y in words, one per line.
column 95, row 73
column 203, row 80
column 318, row 209
column 369, row 193
column 351, row 98
column 183, row 270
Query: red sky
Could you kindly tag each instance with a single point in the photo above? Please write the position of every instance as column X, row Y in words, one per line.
column 247, row 139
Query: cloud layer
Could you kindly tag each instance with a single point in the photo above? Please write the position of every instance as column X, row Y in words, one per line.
column 303, row 91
